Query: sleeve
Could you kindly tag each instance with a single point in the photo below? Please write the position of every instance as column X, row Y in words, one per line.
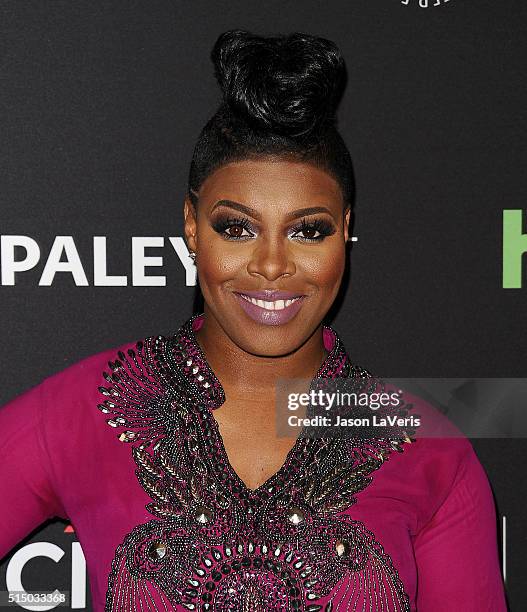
column 28, row 497
column 456, row 552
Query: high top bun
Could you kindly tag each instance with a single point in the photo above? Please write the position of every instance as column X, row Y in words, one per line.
column 280, row 96
column 288, row 85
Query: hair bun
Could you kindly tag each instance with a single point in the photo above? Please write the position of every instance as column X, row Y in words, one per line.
column 290, row 85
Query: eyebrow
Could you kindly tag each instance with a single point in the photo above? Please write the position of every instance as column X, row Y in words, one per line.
column 301, row 212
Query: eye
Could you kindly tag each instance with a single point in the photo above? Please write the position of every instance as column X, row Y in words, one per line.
column 233, row 228
column 313, row 231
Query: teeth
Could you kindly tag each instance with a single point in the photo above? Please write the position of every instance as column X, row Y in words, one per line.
column 275, row 305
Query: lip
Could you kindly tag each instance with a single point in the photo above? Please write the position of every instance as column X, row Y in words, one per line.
column 270, row 317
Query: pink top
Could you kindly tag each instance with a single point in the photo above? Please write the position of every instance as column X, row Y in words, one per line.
column 124, row 444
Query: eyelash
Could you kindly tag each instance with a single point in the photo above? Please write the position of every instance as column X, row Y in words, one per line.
column 223, row 224
column 319, row 225
column 324, row 228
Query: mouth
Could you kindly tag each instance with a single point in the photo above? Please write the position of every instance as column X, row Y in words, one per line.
column 270, row 305
column 278, row 307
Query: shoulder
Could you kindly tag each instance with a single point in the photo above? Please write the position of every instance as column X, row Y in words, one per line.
column 86, row 403
column 82, row 374
column 76, row 396
column 90, row 372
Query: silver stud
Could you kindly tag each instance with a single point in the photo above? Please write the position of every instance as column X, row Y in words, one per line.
column 343, row 548
column 299, row 564
column 157, row 550
column 195, row 369
column 202, row 515
column 296, row 516
column 127, row 436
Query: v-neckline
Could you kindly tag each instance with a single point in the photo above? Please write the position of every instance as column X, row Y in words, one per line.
column 205, row 382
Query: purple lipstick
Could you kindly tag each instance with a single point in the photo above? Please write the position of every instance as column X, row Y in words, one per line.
column 270, row 307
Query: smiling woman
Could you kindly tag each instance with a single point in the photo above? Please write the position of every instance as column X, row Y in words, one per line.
column 199, row 504
column 259, row 244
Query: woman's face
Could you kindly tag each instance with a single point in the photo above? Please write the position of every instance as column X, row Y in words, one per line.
column 270, row 239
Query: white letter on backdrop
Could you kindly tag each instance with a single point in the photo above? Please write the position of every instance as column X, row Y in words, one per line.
column 182, row 252
column 7, row 253
column 140, row 261
column 100, row 278
column 72, row 264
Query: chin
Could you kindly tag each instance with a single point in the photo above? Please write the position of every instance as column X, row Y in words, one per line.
column 272, row 340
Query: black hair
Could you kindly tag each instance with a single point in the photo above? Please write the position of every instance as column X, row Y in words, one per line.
column 280, row 96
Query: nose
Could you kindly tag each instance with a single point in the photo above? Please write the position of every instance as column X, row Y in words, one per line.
column 271, row 259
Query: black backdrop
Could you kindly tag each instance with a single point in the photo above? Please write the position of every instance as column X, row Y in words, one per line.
column 100, row 106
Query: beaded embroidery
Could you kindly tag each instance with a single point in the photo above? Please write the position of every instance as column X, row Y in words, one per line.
column 214, row 544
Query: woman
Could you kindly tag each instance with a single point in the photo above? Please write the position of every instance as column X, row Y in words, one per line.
column 199, row 505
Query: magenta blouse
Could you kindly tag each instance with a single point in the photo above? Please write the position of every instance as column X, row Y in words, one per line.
column 124, row 445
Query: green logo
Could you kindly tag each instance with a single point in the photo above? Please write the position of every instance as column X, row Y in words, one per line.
column 514, row 246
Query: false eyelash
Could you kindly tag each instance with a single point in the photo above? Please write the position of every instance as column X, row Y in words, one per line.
column 319, row 225
column 220, row 225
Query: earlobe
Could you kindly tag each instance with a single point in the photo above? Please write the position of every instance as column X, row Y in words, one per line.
column 347, row 217
column 189, row 214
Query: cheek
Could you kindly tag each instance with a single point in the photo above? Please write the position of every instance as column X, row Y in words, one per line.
column 323, row 267
column 219, row 260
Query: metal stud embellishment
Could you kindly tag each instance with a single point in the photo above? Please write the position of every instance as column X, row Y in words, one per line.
column 202, row 515
column 157, row 550
column 127, row 436
column 342, row 548
column 296, row 516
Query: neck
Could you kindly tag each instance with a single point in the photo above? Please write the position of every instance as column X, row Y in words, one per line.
column 235, row 368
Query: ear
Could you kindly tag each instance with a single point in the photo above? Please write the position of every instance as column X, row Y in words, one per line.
column 191, row 224
column 347, row 217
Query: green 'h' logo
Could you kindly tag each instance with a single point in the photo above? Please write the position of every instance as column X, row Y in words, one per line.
column 514, row 246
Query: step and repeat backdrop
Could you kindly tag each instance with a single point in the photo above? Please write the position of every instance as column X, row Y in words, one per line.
column 100, row 107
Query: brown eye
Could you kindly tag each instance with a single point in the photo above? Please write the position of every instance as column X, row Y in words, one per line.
column 233, row 228
column 313, row 231
column 235, row 231
column 309, row 232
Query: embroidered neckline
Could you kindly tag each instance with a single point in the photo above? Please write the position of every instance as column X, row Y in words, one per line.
column 190, row 356
column 188, row 353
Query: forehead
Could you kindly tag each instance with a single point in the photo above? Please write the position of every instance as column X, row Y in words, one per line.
column 270, row 180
